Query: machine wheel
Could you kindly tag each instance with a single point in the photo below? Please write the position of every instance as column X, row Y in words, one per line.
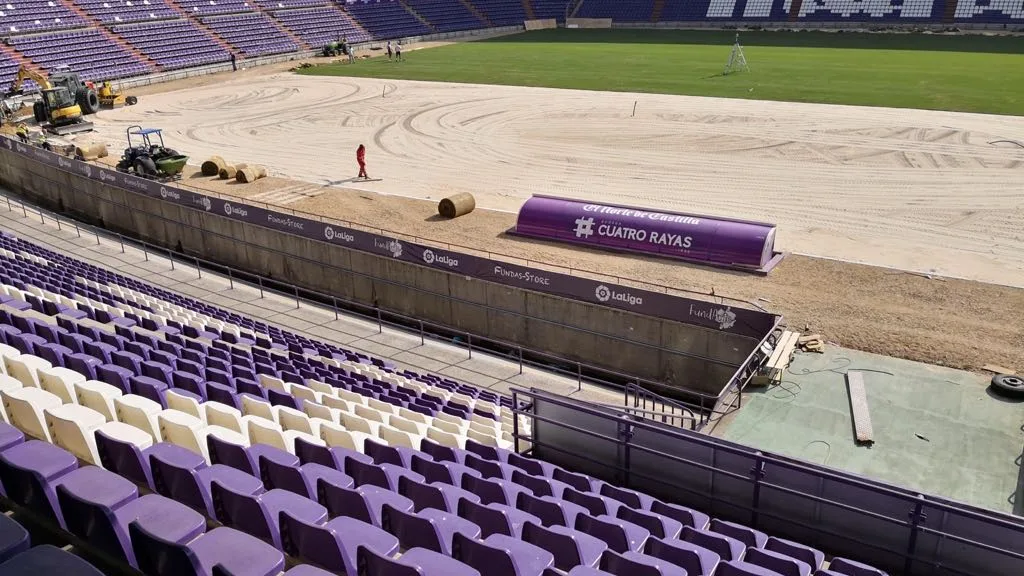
column 131, row 100
column 122, row 166
column 145, row 167
column 39, row 111
column 1010, row 386
column 89, row 101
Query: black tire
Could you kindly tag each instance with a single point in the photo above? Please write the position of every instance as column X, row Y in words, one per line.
column 131, row 100
column 1007, row 385
column 122, row 166
column 145, row 167
column 88, row 101
column 39, row 111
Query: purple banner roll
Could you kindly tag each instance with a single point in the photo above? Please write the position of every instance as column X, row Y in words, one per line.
column 719, row 241
column 743, row 321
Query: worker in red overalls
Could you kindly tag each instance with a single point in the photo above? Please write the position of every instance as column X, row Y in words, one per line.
column 361, row 158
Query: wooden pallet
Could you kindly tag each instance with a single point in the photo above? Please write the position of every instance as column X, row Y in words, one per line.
column 772, row 371
column 859, row 407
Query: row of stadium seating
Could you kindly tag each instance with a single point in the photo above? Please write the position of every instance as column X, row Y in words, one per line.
column 17, row 556
column 169, row 41
column 133, row 417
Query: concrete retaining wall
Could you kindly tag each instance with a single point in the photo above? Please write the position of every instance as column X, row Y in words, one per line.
column 676, row 354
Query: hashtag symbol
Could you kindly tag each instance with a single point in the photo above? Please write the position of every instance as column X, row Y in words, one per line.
column 584, row 227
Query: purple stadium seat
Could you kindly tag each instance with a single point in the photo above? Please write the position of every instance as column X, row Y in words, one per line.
column 500, row 555
column 568, row 546
column 697, row 560
column 431, row 529
column 415, row 562
column 240, row 553
column 333, row 545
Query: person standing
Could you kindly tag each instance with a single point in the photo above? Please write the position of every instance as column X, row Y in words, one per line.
column 398, row 51
column 389, row 50
column 361, row 158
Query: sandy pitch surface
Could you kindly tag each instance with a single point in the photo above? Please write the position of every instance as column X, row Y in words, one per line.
column 917, row 190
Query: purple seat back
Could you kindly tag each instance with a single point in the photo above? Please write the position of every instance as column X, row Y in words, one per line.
column 777, row 562
column 412, row 530
column 159, row 557
column 696, row 560
column 123, row 458
column 242, row 511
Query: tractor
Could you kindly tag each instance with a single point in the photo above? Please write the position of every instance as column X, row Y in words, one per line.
column 339, row 48
column 148, row 159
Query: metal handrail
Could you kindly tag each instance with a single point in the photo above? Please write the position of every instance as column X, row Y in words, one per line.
column 913, row 522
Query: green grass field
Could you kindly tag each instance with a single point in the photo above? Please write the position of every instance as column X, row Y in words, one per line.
column 963, row 73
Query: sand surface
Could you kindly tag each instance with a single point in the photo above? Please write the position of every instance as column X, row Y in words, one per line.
column 916, row 190
column 913, row 190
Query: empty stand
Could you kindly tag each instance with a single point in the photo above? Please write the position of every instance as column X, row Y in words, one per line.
column 989, row 11
column 213, row 7
column 173, row 44
column 86, row 51
column 501, row 12
column 36, row 16
column 386, row 19
column 251, row 34
column 637, row 11
column 318, row 26
column 446, row 15
column 118, row 11
column 286, row 4
column 546, row 9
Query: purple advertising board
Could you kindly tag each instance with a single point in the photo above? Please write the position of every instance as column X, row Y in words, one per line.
column 742, row 321
column 719, row 241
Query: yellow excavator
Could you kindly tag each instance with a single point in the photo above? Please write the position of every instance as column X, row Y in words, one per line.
column 58, row 107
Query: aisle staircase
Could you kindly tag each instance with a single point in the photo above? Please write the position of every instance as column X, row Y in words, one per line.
column 479, row 15
column 950, row 12
column 528, row 10
column 659, row 5
column 794, row 10
column 284, row 29
column 146, row 60
column 417, row 15
column 209, row 31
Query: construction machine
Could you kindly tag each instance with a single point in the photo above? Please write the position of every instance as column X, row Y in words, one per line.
column 149, row 159
column 112, row 99
column 83, row 92
column 57, row 108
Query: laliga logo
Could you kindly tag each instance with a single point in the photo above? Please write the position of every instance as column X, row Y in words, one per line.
column 104, row 177
column 430, row 258
column 604, row 294
column 331, row 234
column 227, row 208
column 62, row 163
column 163, row 192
